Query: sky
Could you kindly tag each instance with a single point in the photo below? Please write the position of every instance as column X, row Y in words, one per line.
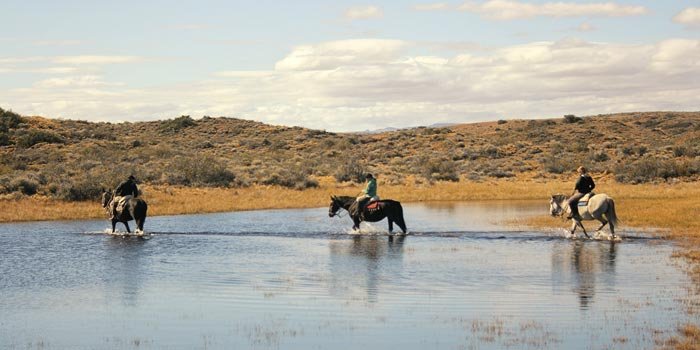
column 346, row 65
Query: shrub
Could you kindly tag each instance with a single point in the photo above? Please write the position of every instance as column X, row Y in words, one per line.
column 439, row 169
column 555, row 164
column 650, row 169
column 9, row 120
column 177, row 124
column 570, row 119
column 78, row 190
column 350, row 170
column 599, row 156
column 290, row 179
column 199, row 170
column 24, row 186
column 34, row 136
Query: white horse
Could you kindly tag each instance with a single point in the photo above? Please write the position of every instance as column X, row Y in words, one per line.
column 599, row 207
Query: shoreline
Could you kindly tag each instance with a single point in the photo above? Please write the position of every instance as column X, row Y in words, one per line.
column 659, row 206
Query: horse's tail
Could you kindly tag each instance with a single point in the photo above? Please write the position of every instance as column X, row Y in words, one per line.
column 139, row 214
column 611, row 215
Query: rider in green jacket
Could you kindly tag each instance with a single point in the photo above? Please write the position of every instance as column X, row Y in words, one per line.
column 368, row 194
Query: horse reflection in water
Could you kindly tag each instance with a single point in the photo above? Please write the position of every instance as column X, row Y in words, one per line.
column 584, row 265
column 358, row 264
column 124, row 258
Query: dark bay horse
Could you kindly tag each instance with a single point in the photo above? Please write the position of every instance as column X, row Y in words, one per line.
column 135, row 209
column 387, row 208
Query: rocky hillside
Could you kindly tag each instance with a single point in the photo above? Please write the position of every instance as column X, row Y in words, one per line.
column 73, row 160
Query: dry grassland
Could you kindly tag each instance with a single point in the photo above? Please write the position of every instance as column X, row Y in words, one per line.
column 666, row 206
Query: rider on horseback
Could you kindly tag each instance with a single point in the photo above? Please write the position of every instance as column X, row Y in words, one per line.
column 369, row 194
column 584, row 185
column 124, row 192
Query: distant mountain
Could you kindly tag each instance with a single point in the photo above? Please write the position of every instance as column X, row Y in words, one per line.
column 389, row 129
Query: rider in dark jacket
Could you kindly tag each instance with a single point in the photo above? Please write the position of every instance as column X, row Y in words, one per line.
column 126, row 188
column 584, row 185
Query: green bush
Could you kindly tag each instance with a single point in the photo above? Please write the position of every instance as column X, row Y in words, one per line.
column 350, row 170
column 9, row 120
column 651, row 169
column 24, row 185
column 177, row 124
column 199, row 170
column 570, row 119
column 439, row 169
column 290, row 179
column 34, row 136
column 78, row 190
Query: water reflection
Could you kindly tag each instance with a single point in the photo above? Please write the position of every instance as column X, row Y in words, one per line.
column 362, row 262
column 583, row 265
column 123, row 260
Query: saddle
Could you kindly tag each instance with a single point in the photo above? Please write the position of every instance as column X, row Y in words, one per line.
column 120, row 203
column 584, row 200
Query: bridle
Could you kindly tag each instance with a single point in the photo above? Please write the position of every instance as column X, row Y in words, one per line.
column 337, row 213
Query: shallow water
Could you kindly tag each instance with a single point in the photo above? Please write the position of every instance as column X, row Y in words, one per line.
column 297, row 279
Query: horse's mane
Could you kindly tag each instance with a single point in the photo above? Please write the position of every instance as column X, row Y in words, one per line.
column 344, row 199
column 559, row 198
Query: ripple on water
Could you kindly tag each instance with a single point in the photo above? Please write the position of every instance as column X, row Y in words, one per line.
column 296, row 279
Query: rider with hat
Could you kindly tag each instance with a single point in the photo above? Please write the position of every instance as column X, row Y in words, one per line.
column 125, row 191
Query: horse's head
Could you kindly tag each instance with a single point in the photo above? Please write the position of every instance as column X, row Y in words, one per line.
column 556, row 204
column 106, row 197
column 334, row 207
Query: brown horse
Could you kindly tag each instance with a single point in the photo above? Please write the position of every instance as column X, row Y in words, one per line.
column 387, row 208
column 135, row 209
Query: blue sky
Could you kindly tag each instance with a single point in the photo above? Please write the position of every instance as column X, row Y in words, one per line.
column 346, row 65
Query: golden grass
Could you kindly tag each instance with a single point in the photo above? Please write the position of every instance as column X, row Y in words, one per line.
column 668, row 206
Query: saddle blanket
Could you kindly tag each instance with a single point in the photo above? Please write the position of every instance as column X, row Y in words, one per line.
column 372, row 206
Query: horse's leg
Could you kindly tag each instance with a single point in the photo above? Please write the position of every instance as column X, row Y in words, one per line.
column 583, row 228
column 132, row 212
column 401, row 224
column 139, row 224
column 356, row 223
column 126, row 223
column 114, row 225
column 391, row 225
column 604, row 222
column 573, row 227
column 612, row 230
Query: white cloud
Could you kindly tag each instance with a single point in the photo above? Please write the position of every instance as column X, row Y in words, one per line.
column 340, row 53
column 69, row 82
column 366, row 84
column 689, row 16
column 363, row 12
column 585, row 27
column 436, row 6
column 95, row 59
column 511, row 9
